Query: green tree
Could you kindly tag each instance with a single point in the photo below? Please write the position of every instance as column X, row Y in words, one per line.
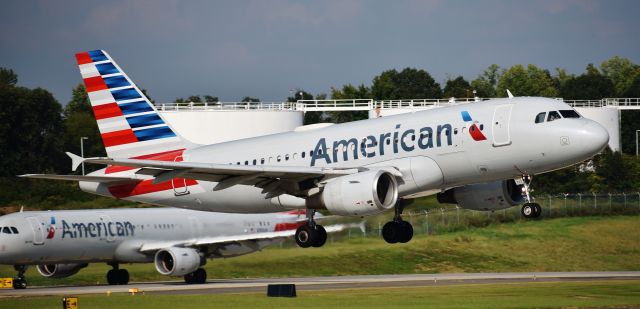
column 348, row 92
column 194, row 99
column 250, row 99
column 410, row 83
column 591, row 85
column 211, row 99
column 485, row 83
column 458, row 88
column 309, row 117
column 8, row 77
column 30, row 131
column 622, row 73
column 530, row 81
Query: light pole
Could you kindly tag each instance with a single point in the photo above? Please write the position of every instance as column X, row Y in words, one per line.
column 637, row 142
column 82, row 150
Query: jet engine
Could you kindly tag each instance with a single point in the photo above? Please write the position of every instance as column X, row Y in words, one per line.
column 177, row 261
column 59, row 270
column 359, row 194
column 485, row 196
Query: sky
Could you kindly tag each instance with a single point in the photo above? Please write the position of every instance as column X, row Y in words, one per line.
column 266, row 49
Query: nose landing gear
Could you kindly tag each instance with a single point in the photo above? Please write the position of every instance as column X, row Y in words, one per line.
column 20, row 282
column 529, row 210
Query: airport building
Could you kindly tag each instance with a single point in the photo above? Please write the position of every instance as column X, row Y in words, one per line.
column 208, row 123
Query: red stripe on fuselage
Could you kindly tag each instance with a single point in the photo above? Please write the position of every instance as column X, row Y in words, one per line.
column 173, row 156
column 146, row 186
column 476, row 134
column 95, row 83
column 108, row 110
column 83, row 58
column 119, row 138
column 288, row 226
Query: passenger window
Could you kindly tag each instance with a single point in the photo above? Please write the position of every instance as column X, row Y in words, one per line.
column 254, row 162
column 286, row 157
column 262, row 161
column 569, row 113
column 6, row 230
column 303, row 153
column 553, row 115
column 540, row 117
column 14, row 230
column 279, row 158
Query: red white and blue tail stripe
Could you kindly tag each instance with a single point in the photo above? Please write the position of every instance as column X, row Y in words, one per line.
column 129, row 124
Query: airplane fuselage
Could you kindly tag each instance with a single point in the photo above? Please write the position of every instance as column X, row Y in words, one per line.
column 117, row 235
column 434, row 150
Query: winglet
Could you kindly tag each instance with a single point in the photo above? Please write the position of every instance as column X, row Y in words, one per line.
column 509, row 94
column 75, row 160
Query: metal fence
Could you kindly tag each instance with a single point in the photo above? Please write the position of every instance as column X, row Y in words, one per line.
column 450, row 219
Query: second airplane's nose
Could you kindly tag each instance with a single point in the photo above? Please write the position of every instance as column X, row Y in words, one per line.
column 594, row 137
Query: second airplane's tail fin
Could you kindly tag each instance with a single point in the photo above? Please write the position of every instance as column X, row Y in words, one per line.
column 129, row 124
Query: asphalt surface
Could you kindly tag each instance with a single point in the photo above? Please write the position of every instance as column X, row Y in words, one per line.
column 219, row 286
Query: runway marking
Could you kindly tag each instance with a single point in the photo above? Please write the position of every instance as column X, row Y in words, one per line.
column 218, row 286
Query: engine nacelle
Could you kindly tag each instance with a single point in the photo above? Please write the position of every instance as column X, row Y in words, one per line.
column 485, row 196
column 359, row 194
column 177, row 261
column 59, row 270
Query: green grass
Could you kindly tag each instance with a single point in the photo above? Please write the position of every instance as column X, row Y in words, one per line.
column 564, row 244
column 516, row 295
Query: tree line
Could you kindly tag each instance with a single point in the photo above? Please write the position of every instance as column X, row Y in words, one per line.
column 36, row 130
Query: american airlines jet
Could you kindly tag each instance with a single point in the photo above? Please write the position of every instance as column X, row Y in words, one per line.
column 479, row 155
column 177, row 241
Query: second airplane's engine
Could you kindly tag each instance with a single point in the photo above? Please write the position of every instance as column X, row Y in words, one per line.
column 177, row 261
column 485, row 196
column 359, row 194
column 59, row 270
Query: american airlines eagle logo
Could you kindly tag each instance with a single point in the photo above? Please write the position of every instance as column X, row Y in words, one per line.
column 52, row 228
column 474, row 131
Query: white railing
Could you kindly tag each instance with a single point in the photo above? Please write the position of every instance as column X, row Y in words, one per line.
column 225, row 106
column 369, row 104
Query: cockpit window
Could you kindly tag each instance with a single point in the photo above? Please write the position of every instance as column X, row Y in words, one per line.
column 6, row 230
column 14, row 230
column 540, row 117
column 553, row 115
column 569, row 113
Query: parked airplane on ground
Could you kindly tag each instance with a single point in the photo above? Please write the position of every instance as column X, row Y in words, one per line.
column 177, row 241
column 479, row 155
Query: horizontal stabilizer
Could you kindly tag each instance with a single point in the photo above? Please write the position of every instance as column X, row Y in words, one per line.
column 103, row 179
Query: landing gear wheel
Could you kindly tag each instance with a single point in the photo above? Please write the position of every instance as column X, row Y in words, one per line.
column 320, row 236
column 304, row 236
column 117, row 276
column 537, row 210
column 19, row 283
column 391, row 231
column 123, row 276
column 531, row 210
column 406, row 232
column 112, row 276
column 197, row 277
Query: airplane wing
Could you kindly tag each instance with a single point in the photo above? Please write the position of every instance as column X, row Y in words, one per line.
column 274, row 180
column 221, row 241
column 104, row 179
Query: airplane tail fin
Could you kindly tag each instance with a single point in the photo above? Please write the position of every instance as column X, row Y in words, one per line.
column 129, row 124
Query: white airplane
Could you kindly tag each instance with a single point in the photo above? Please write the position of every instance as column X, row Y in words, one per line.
column 177, row 241
column 479, row 155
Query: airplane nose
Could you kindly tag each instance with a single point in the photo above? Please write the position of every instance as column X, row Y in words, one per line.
column 594, row 137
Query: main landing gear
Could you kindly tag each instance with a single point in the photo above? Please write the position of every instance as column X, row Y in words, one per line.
column 197, row 277
column 398, row 230
column 529, row 210
column 117, row 276
column 20, row 282
column 311, row 234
